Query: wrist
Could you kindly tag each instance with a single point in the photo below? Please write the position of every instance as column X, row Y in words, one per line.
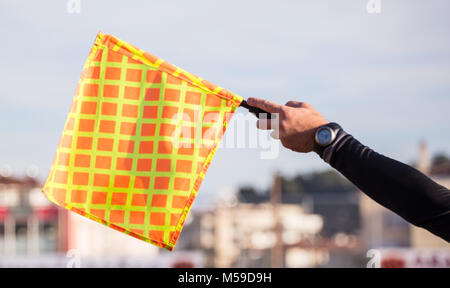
column 325, row 136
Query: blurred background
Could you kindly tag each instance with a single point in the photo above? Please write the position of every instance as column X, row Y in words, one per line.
column 382, row 72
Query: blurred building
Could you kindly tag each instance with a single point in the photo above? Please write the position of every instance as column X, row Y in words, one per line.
column 101, row 246
column 381, row 227
column 36, row 233
column 243, row 235
column 323, row 229
column 342, row 224
column 29, row 223
column 340, row 211
column 94, row 240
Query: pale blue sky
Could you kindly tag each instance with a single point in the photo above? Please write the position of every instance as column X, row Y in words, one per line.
column 385, row 78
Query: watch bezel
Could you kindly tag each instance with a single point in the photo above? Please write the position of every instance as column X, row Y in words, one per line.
column 333, row 134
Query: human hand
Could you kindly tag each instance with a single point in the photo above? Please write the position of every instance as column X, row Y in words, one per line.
column 295, row 123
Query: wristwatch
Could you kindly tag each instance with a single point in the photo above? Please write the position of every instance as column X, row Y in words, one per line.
column 325, row 136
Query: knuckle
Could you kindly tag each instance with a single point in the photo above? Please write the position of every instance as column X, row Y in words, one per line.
column 290, row 103
column 293, row 104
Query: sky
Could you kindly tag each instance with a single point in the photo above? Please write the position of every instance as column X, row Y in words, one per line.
column 384, row 77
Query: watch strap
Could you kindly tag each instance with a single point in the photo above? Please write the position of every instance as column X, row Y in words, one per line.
column 328, row 152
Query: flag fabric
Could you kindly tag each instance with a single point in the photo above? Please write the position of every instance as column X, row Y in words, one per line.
column 137, row 142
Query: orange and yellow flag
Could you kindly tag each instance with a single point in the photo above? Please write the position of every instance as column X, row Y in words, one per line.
column 137, row 142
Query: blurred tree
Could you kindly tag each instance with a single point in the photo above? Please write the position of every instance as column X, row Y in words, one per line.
column 326, row 193
column 248, row 194
column 324, row 182
column 439, row 159
column 440, row 165
column 293, row 189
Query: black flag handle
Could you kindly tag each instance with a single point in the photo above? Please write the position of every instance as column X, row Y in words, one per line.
column 255, row 110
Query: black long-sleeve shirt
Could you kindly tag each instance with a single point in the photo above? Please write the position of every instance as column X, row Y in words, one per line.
column 396, row 186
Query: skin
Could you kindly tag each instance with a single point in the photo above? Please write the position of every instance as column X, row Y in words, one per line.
column 297, row 123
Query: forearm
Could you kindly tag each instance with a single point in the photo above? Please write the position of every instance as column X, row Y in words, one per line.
column 397, row 186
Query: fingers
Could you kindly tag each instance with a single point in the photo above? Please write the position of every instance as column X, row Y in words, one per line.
column 266, row 105
column 270, row 124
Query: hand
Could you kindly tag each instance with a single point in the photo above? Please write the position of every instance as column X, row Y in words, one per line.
column 295, row 123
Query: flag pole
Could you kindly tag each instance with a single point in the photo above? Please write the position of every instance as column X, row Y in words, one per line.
column 255, row 110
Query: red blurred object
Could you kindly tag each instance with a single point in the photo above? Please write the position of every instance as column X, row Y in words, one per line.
column 47, row 213
column 4, row 212
column 183, row 264
column 393, row 262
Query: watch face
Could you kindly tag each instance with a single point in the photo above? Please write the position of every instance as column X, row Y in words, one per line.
column 324, row 136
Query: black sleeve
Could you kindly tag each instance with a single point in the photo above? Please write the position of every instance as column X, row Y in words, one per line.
column 396, row 186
